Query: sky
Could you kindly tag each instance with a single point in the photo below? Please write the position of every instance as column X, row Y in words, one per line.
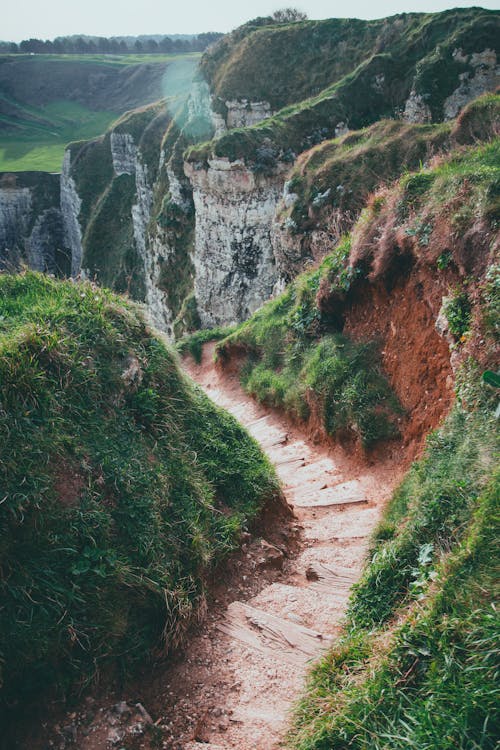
column 46, row 19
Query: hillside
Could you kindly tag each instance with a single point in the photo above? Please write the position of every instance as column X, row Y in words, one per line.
column 122, row 487
column 312, row 213
column 46, row 101
column 216, row 215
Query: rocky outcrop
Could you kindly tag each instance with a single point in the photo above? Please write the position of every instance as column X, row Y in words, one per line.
column 416, row 109
column 199, row 106
column 485, row 76
column 243, row 113
column 31, row 226
column 15, row 215
column 482, row 75
column 123, row 153
column 233, row 254
column 47, row 249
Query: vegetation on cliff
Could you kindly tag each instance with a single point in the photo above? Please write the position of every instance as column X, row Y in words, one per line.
column 418, row 664
column 110, row 253
column 440, row 222
column 122, row 487
column 380, row 64
column 331, row 182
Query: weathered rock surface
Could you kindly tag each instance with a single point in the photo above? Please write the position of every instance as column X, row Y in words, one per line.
column 243, row 113
column 70, row 209
column 233, row 254
column 485, row 77
column 31, row 225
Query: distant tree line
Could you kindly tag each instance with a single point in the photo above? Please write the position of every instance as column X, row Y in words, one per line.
column 79, row 45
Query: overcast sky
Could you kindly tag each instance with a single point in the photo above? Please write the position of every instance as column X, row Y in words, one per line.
column 46, row 19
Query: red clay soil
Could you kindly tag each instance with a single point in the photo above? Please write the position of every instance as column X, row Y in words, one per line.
column 415, row 357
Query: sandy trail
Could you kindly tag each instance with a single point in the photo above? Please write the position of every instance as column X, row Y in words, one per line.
column 256, row 656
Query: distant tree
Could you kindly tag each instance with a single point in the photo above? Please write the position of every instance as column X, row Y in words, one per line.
column 289, row 15
column 166, row 45
column 32, row 45
column 151, row 46
column 80, row 46
column 138, row 47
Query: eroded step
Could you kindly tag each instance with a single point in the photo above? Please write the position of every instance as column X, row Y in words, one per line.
column 330, row 501
column 329, row 579
column 329, row 493
column 274, row 636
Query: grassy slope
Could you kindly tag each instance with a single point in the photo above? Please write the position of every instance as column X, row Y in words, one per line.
column 418, row 664
column 122, row 485
column 292, row 352
column 39, row 144
column 293, row 347
column 339, row 174
column 33, row 134
column 408, row 50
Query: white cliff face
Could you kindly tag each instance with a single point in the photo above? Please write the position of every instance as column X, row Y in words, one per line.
column 486, row 77
column 46, row 239
column 243, row 113
column 416, row 109
column 70, row 209
column 150, row 250
column 15, row 214
column 124, row 153
column 233, row 255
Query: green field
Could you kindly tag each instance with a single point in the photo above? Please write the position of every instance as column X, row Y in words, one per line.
column 33, row 136
column 39, row 144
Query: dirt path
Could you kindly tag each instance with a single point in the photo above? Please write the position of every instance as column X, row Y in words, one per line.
column 276, row 605
column 264, row 645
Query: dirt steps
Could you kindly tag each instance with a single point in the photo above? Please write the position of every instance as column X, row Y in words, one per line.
column 270, row 640
column 277, row 637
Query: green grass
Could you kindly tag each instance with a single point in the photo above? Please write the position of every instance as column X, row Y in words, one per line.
column 295, row 360
column 109, row 60
column 35, row 127
column 418, row 664
column 122, row 486
column 398, row 52
column 340, row 174
column 39, row 145
column 193, row 343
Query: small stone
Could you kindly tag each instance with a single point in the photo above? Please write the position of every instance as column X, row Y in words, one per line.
column 122, row 709
column 115, row 736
